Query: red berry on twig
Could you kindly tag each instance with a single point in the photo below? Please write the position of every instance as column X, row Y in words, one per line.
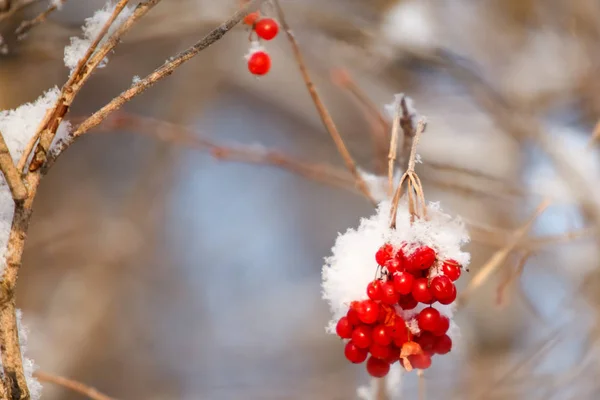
column 344, row 328
column 354, row 354
column 389, row 294
column 407, row 302
column 443, row 345
column 428, row 319
column 403, row 282
column 443, row 326
column 368, row 311
column 377, row 368
column 361, row 337
column 384, row 253
column 374, row 290
column 259, row 63
column 443, row 290
column 393, row 265
column 421, row 292
column 266, row 28
column 381, row 335
column 379, row 351
column 422, row 258
column 251, row 18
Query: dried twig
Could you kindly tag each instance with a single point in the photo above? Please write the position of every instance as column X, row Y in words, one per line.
column 11, row 175
column 393, row 147
column 511, row 276
column 14, row 7
column 26, row 26
column 321, row 109
column 72, row 385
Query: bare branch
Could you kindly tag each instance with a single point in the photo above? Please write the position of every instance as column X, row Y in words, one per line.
column 393, row 147
column 11, row 175
column 73, row 385
column 321, row 109
column 26, row 26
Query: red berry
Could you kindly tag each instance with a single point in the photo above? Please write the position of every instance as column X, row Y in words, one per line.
column 251, row 18
column 384, row 253
column 428, row 319
column 259, row 63
column 374, row 290
column 427, row 341
column 443, row 326
column 368, row 311
column 403, row 282
column 421, row 292
column 377, row 368
column 344, row 328
column 362, row 337
column 422, row 258
column 407, row 302
column 355, row 354
column 389, row 294
column 420, row 361
column 379, row 351
column 394, row 354
column 393, row 265
column 266, row 28
column 352, row 316
column 443, row 290
column 443, row 345
column 381, row 335
column 451, row 269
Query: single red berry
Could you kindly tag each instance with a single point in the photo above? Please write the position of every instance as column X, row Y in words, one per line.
column 420, row 361
column 422, row 258
column 377, row 368
column 443, row 345
column 344, row 328
column 382, row 335
column 407, row 302
column 352, row 316
column 374, row 290
column 251, row 18
column 394, row 354
column 355, row 354
column 403, row 282
column 451, row 269
column 384, row 253
column 389, row 294
column 266, row 28
column 421, row 292
column 443, row 290
column 393, row 265
column 379, row 351
column 443, row 326
column 428, row 319
column 362, row 337
column 259, row 63
column 368, row 311
column 427, row 341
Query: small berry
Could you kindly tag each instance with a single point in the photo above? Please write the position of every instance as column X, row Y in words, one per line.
column 382, row 335
column 379, row 351
column 421, row 292
column 451, row 269
column 259, row 63
column 420, row 361
column 384, row 253
column 374, row 290
column 443, row 345
column 407, row 302
column 251, row 18
column 377, row 368
column 361, row 337
column 403, row 282
column 443, row 326
column 354, row 354
column 352, row 316
column 422, row 258
column 428, row 319
column 394, row 354
column 368, row 311
column 393, row 265
column 266, row 28
column 344, row 328
column 443, row 290
column 389, row 294
column 427, row 341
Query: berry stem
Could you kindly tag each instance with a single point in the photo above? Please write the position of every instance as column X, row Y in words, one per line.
column 321, row 109
column 393, row 146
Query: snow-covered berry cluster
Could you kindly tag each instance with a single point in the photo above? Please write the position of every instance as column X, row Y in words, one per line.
column 259, row 60
column 392, row 289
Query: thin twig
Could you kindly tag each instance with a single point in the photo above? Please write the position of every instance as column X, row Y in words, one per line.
column 27, row 25
column 165, row 70
column 393, row 147
column 408, row 128
column 16, row 6
column 73, row 385
column 11, row 175
column 511, row 276
column 321, row 109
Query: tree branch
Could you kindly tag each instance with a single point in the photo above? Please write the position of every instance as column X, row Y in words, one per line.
column 11, row 175
column 73, row 385
column 28, row 25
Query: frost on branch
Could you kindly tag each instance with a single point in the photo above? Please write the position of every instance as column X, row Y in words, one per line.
column 93, row 25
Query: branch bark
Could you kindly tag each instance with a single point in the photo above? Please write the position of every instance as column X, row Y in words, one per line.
column 11, row 175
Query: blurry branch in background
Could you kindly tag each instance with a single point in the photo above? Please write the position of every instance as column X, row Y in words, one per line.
column 321, row 109
column 27, row 25
column 512, row 275
column 70, row 384
column 14, row 6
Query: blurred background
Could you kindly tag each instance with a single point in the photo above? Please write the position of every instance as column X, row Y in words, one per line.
column 155, row 271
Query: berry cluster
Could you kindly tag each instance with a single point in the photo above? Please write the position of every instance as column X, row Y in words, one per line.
column 375, row 326
column 259, row 61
